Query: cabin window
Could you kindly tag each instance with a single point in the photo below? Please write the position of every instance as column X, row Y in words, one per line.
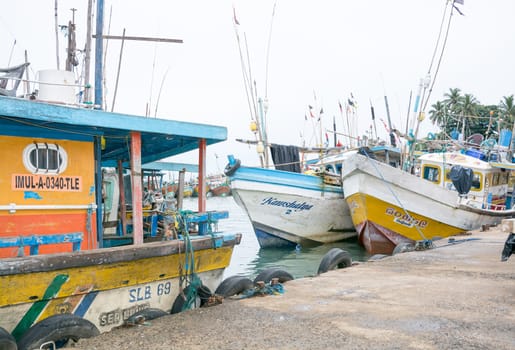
column 504, row 178
column 45, row 158
column 495, row 179
column 431, row 173
column 476, row 181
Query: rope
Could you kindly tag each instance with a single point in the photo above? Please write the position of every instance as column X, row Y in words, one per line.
column 394, row 195
column 187, row 275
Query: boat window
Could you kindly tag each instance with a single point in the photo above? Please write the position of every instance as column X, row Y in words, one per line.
column 476, row 181
column 495, row 179
column 45, row 158
column 504, row 178
column 431, row 173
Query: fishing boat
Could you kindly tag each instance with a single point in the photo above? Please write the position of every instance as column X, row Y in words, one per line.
column 75, row 259
column 288, row 208
column 57, row 268
column 450, row 193
column 219, row 186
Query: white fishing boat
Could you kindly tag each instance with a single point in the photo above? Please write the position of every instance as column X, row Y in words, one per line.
column 288, row 208
column 453, row 193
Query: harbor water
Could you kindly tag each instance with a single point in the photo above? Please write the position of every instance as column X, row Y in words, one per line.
column 248, row 259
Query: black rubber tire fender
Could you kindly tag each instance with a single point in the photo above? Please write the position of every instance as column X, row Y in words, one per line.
column 376, row 257
column 231, row 169
column 268, row 274
column 146, row 315
column 403, row 247
column 57, row 328
column 203, row 294
column 234, row 285
column 335, row 258
column 7, row 341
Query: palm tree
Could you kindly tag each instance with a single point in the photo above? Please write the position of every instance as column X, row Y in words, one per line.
column 438, row 114
column 468, row 108
column 507, row 110
column 453, row 101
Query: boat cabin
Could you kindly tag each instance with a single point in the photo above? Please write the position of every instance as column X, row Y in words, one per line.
column 52, row 175
column 489, row 187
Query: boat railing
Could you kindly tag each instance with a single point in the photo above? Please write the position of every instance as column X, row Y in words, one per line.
column 34, row 241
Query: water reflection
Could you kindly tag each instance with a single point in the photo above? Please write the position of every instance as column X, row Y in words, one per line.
column 248, row 259
column 302, row 261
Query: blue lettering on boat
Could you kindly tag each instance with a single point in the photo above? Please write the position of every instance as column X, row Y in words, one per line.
column 139, row 294
column 285, row 204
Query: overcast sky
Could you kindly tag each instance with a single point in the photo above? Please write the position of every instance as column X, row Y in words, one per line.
column 320, row 53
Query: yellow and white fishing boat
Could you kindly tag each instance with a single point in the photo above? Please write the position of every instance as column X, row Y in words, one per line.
column 390, row 206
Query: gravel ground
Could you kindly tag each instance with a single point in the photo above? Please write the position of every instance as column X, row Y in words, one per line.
column 457, row 296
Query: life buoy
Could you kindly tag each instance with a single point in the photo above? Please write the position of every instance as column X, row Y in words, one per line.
column 181, row 303
column 273, row 272
column 58, row 329
column 7, row 341
column 430, row 136
column 231, row 169
column 334, row 259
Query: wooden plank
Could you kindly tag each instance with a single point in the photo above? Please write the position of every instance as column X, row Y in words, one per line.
column 54, row 262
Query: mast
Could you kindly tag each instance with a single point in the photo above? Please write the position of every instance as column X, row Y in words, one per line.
column 71, row 59
column 56, row 24
column 392, row 136
column 87, row 58
column 99, row 53
column 373, row 119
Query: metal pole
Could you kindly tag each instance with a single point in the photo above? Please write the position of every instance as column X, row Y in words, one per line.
column 99, row 52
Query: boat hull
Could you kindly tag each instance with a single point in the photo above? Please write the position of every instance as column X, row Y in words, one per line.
column 290, row 208
column 104, row 286
column 389, row 207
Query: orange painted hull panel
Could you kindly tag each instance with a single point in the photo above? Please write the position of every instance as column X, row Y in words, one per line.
column 16, row 225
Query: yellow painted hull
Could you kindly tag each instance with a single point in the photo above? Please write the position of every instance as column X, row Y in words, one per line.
column 105, row 294
column 382, row 225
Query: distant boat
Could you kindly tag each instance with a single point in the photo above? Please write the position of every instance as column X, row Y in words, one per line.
column 219, row 186
column 455, row 193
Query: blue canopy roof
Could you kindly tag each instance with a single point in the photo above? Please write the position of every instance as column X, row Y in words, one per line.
column 160, row 138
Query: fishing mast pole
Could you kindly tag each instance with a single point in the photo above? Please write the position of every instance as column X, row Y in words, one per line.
column 87, row 58
column 392, row 135
column 373, row 119
column 56, row 24
column 99, row 51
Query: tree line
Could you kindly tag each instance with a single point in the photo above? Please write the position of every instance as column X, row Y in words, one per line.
column 463, row 113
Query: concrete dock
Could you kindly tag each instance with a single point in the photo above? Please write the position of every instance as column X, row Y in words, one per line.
column 456, row 296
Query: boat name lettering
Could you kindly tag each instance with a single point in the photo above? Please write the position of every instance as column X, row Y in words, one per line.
column 145, row 292
column 404, row 218
column 24, row 182
column 119, row 315
column 286, row 204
